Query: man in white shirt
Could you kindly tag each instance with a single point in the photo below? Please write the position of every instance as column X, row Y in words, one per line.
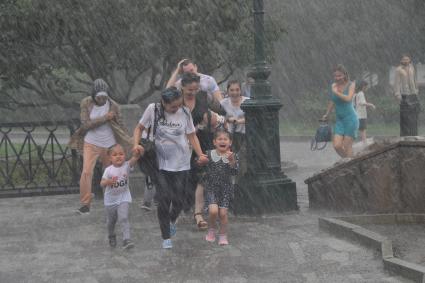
column 405, row 89
column 207, row 83
column 405, row 79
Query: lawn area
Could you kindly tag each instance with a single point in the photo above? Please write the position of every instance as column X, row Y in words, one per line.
column 18, row 148
column 30, row 170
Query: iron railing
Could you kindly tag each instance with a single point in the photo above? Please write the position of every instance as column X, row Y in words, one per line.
column 35, row 159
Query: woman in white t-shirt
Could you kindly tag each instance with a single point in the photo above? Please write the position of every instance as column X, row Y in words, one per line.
column 235, row 118
column 234, row 114
column 174, row 128
column 361, row 105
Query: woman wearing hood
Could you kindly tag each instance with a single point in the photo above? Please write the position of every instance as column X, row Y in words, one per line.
column 101, row 128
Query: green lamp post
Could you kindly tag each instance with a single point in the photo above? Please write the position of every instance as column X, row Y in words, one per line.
column 264, row 187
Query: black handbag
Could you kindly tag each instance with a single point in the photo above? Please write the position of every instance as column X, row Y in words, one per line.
column 148, row 163
column 322, row 137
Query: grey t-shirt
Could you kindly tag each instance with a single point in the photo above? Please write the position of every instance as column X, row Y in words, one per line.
column 171, row 144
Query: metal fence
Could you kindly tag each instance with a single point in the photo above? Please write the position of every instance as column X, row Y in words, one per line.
column 35, row 159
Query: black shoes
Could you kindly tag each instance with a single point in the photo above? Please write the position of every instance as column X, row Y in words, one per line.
column 84, row 210
column 113, row 241
column 127, row 244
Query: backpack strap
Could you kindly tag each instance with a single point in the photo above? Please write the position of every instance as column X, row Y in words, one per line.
column 155, row 120
column 188, row 115
column 149, row 133
column 209, row 120
column 185, row 111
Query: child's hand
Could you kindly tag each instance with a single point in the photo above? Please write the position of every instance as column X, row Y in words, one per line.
column 138, row 149
column 113, row 181
column 373, row 106
column 231, row 157
column 109, row 182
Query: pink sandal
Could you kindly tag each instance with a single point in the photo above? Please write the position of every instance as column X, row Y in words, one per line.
column 222, row 240
column 210, row 237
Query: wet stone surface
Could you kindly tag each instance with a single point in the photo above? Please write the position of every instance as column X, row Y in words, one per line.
column 408, row 240
column 43, row 240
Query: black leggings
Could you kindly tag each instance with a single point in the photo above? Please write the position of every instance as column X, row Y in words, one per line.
column 170, row 194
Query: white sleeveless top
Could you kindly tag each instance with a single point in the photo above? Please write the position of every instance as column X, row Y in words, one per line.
column 102, row 136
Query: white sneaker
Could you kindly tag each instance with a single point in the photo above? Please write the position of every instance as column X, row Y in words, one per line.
column 146, row 206
column 167, row 244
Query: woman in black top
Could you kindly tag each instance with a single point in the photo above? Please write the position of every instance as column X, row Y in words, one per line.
column 205, row 122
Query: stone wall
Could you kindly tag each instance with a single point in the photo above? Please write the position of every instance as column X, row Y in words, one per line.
column 387, row 178
column 412, row 168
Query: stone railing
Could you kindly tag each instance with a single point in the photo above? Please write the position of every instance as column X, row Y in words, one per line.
column 388, row 178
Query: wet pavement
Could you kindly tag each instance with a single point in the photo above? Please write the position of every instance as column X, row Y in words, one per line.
column 43, row 240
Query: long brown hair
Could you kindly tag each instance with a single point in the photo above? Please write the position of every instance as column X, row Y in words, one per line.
column 342, row 69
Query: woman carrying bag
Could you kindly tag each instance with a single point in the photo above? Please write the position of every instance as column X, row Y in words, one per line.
column 174, row 127
column 346, row 125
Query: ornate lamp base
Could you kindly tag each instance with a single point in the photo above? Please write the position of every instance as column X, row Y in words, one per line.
column 264, row 187
column 265, row 194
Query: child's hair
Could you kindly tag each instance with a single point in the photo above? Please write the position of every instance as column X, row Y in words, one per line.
column 111, row 148
column 361, row 85
column 220, row 131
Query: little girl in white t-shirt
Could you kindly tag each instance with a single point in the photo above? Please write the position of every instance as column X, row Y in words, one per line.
column 360, row 104
column 117, row 195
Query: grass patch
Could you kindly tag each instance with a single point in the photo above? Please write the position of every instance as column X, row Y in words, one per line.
column 48, row 167
column 39, row 174
column 34, row 150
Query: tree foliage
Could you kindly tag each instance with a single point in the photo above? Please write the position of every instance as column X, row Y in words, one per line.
column 54, row 49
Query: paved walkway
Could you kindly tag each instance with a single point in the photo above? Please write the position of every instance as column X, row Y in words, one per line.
column 42, row 240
